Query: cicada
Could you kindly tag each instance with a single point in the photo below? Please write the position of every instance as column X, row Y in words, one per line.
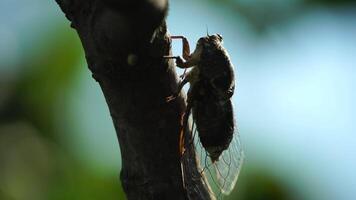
column 209, row 107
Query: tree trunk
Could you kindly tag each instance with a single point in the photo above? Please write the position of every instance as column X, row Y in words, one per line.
column 124, row 44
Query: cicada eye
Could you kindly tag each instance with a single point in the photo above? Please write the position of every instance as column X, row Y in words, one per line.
column 200, row 41
column 198, row 45
column 220, row 37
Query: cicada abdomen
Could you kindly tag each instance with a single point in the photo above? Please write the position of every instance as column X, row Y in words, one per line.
column 215, row 125
column 220, row 161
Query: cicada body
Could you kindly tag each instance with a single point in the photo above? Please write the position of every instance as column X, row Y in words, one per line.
column 212, row 85
column 212, row 110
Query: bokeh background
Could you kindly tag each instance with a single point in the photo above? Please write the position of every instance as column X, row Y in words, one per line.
column 295, row 100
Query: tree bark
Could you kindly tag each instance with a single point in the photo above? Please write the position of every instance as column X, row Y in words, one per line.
column 124, row 44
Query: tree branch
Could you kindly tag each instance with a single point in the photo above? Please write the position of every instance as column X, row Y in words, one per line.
column 124, row 43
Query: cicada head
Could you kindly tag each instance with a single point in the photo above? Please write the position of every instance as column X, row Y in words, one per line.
column 210, row 41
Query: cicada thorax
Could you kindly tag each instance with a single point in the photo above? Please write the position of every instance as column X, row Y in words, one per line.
column 215, row 66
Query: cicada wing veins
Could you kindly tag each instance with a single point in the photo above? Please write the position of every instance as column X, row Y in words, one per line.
column 221, row 175
column 229, row 165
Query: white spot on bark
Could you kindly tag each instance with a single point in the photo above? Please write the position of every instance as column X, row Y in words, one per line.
column 132, row 59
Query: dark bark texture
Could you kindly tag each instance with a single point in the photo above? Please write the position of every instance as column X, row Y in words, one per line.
column 124, row 44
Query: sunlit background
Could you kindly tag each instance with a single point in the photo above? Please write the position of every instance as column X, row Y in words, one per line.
column 296, row 72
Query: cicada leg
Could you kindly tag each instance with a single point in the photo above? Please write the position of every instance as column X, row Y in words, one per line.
column 176, row 94
column 185, row 49
column 184, row 123
column 185, row 53
column 185, row 44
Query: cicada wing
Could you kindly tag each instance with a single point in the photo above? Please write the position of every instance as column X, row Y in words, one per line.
column 221, row 175
column 229, row 165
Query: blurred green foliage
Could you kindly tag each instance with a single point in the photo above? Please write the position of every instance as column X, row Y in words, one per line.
column 34, row 164
column 47, row 75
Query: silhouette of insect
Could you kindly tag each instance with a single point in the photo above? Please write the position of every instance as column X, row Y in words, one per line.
column 212, row 85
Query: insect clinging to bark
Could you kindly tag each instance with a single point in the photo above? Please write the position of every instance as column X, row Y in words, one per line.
column 212, row 84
